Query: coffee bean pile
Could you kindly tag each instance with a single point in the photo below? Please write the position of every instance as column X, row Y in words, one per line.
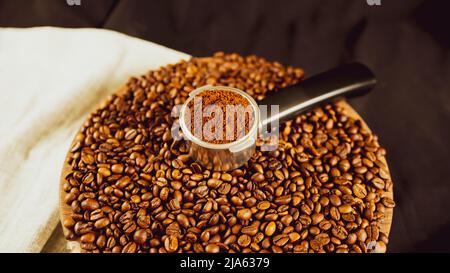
column 132, row 188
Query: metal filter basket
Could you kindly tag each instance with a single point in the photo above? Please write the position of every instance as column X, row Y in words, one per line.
column 227, row 156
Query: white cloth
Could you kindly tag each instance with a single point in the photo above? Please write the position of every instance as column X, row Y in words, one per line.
column 50, row 79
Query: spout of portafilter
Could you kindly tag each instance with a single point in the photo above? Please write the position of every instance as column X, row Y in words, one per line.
column 349, row 80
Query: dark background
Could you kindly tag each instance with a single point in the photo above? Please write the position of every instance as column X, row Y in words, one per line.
column 405, row 42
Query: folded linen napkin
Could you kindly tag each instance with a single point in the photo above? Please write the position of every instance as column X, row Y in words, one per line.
column 50, row 80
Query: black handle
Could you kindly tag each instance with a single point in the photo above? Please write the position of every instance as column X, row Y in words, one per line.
column 348, row 80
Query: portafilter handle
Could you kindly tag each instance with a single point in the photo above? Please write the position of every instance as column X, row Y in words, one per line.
column 349, row 80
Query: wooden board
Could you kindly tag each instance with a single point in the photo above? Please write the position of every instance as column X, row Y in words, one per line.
column 66, row 211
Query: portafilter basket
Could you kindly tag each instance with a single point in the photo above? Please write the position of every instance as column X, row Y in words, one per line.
column 349, row 80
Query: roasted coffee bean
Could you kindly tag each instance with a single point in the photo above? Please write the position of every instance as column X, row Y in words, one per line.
column 373, row 232
column 334, row 213
column 205, row 235
column 317, row 218
column 294, row 237
column 90, row 204
column 212, row 248
column 69, row 222
column 244, row 240
column 226, row 177
column 250, row 230
column 123, row 182
column 131, row 247
column 280, row 240
column 362, row 235
column 257, row 177
column 270, row 228
column 244, row 214
column 348, row 217
column 286, row 220
column 351, row 239
column 325, row 225
column 346, row 208
column 101, row 223
column 88, row 238
column 164, row 193
column 171, row 243
column 305, row 220
column 224, row 188
column 133, row 188
column 117, row 168
column 263, row 205
column 388, row 202
column 378, row 183
column 315, row 245
column 101, row 241
column 283, row 200
column 144, row 221
column 129, row 227
column 359, row 190
column 339, row 232
column 214, row 183
column 140, row 236
column 183, row 220
column 335, row 200
column 323, row 238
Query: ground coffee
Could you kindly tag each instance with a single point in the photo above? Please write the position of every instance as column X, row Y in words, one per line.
column 230, row 120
